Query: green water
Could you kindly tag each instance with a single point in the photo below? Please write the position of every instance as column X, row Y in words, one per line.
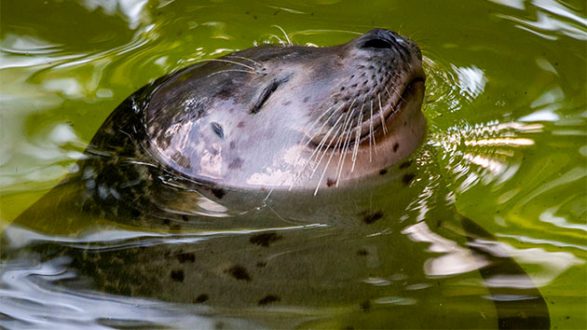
column 506, row 105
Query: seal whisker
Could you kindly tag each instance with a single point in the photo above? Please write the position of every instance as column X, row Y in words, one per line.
column 396, row 93
column 357, row 137
column 257, row 63
column 311, row 138
column 381, row 115
column 371, row 132
column 223, row 60
column 327, row 163
column 284, row 34
column 339, row 140
column 343, row 151
column 317, row 120
column 231, row 70
column 325, row 137
column 322, row 143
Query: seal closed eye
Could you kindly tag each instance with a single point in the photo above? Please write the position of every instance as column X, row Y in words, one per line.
column 265, row 93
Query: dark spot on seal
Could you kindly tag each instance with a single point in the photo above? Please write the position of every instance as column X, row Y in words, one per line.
column 185, row 257
column 407, row 178
column 363, row 252
column 240, row 124
column 395, row 147
column 261, row 264
column 365, row 306
column 286, row 103
column 383, row 171
column 268, row 299
column 201, row 299
column 405, row 164
column 370, row 218
column 239, row 272
column 236, row 163
column 232, row 145
column 218, row 192
column 306, row 99
column 135, row 213
column 177, row 275
column 218, row 130
column 265, row 239
column 330, row 182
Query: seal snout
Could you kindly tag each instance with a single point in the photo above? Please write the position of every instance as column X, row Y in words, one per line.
column 380, row 39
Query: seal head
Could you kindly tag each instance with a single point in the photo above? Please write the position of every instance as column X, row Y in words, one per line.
column 291, row 117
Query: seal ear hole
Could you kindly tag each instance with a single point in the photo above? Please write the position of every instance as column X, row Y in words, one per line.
column 218, row 130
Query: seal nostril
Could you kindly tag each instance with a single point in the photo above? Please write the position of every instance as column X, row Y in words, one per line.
column 376, row 43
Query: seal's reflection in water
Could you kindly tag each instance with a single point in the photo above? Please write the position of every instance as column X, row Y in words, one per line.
column 367, row 240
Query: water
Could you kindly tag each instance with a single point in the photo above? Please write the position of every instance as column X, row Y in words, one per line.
column 506, row 108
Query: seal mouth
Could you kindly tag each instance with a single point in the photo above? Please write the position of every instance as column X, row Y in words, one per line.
column 378, row 122
column 375, row 124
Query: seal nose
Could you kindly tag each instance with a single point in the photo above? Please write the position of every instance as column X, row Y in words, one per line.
column 380, row 39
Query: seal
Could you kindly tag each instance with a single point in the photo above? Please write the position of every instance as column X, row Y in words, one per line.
column 289, row 121
column 275, row 117
column 295, row 120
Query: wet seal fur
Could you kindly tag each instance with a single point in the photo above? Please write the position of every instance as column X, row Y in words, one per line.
column 301, row 118
column 275, row 118
column 287, row 122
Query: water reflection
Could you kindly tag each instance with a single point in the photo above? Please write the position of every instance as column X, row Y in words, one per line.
column 472, row 81
column 453, row 259
column 132, row 10
column 491, row 147
column 30, row 299
column 551, row 20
